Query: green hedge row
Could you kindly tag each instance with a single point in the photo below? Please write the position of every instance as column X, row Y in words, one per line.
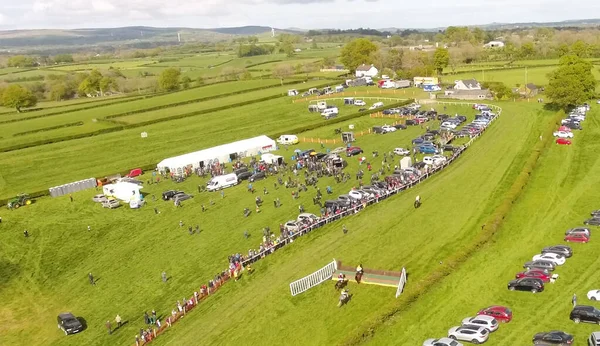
column 415, row 290
column 214, row 109
column 60, row 139
column 122, row 126
column 200, row 99
column 44, row 129
column 74, row 110
column 517, row 67
column 336, row 120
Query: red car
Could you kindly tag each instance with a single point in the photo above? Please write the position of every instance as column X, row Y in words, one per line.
column 577, row 238
column 500, row 313
column 538, row 274
column 563, row 141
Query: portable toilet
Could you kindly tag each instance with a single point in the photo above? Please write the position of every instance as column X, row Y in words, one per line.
column 406, row 162
column 349, row 101
column 292, row 92
column 347, row 137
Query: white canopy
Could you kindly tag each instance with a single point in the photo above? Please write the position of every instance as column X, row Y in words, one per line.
column 222, row 153
column 124, row 191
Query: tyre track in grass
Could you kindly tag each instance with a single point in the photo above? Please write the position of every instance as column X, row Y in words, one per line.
column 490, row 227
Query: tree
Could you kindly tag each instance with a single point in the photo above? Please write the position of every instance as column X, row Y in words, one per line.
column 282, row 72
column 441, row 59
column 169, row 79
column 527, row 50
column 199, row 81
column 21, row 61
column 63, row 58
column 18, row 97
column 580, row 49
column 394, row 59
column 571, row 83
column 328, row 62
column 185, row 82
column 498, row 89
column 357, row 52
column 106, row 84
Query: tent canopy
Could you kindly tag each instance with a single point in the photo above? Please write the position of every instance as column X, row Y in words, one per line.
column 222, row 153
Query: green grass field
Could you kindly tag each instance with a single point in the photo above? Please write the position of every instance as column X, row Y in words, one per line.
column 46, row 273
column 560, row 196
column 165, row 139
column 88, row 115
column 512, row 77
column 128, row 249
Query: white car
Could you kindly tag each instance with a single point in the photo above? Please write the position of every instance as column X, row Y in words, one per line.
column 338, row 150
column 401, row 151
column 359, row 103
column 428, row 160
column 292, row 226
column 367, row 194
column 568, row 121
column 563, row 134
column 439, row 159
column 356, row 194
column 551, row 257
column 474, row 334
column 448, row 124
column 388, row 128
column 487, row 322
column 577, row 117
column 307, row 216
column 593, row 295
column 441, row 342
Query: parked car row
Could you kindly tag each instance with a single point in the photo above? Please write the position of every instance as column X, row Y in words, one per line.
column 475, row 329
column 475, row 127
column 537, row 271
column 572, row 122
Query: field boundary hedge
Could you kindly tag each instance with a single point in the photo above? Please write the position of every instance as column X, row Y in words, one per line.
column 44, row 129
column 119, row 126
column 210, row 110
column 136, row 98
column 518, row 67
column 489, row 229
column 199, row 99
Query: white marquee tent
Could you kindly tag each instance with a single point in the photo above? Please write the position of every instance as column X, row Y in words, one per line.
column 222, row 153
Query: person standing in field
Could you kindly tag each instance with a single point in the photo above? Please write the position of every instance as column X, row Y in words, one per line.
column 91, row 279
column 118, row 320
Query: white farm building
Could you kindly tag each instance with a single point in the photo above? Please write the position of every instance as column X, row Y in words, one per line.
column 222, row 153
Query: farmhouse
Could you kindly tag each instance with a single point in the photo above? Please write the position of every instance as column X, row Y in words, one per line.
column 366, row 71
column 481, row 94
column 467, row 84
column 528, row 90
column 494, row 44
column 222, row 153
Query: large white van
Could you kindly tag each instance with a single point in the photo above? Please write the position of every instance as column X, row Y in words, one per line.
column 287, row 139
column 330, row 111
column 222, row 181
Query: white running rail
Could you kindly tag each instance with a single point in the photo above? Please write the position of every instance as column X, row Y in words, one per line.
column 401, row 283
column 313, row 279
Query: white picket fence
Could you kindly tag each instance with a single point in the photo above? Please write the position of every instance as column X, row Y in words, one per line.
column 313, row 279
column 401, row 283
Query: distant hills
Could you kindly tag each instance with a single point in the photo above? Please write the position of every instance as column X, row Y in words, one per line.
column 148, row 37
column 132, row 37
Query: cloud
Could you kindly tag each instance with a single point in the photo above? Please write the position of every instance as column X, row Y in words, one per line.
column 282, row 13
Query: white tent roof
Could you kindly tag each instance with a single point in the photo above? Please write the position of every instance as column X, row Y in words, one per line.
column 218, row 151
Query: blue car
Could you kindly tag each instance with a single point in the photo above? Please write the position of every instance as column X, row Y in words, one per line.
column 427, row 150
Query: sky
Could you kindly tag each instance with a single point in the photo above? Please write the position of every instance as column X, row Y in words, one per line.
column 305, row 14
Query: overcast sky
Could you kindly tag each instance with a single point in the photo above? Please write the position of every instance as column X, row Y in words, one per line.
column 306, row 14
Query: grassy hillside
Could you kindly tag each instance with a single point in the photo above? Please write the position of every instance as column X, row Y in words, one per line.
column 560, row 196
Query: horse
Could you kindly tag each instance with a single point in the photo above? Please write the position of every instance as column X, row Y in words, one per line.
column 341, row 284
column 358, row 276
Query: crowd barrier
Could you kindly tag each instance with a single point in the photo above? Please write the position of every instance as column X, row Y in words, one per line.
column 322, row 222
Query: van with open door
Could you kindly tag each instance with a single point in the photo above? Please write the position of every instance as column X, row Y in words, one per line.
column 222, row 181
column 287, row 139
